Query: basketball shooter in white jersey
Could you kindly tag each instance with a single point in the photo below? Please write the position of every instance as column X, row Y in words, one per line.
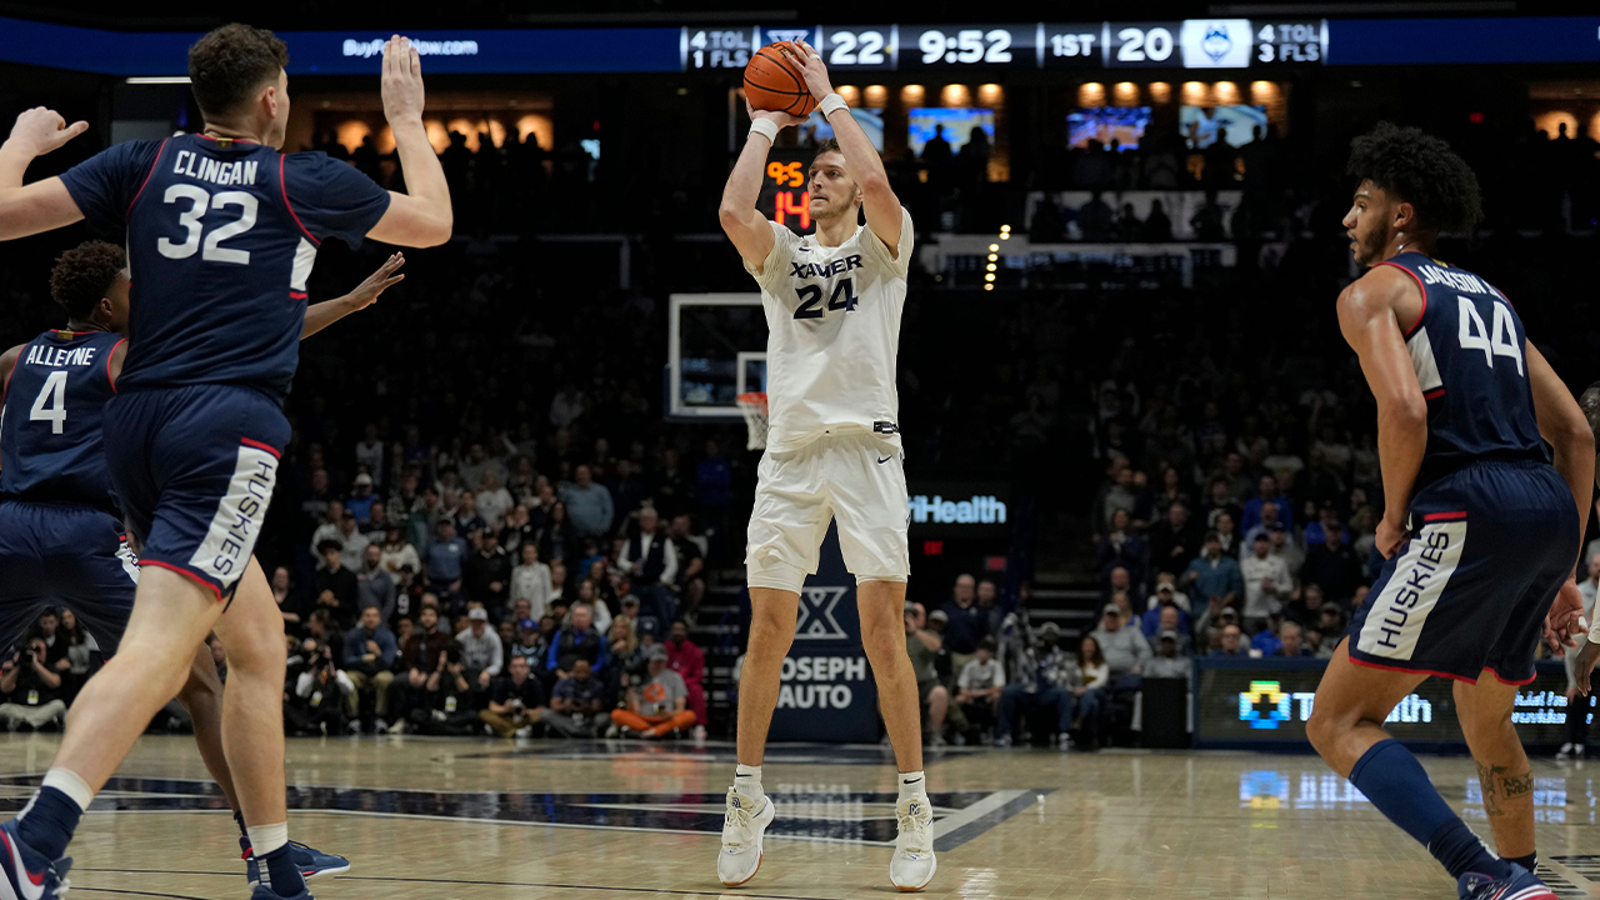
column 833, row 301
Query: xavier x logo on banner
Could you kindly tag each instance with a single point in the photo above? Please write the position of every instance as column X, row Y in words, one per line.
column 817, row 622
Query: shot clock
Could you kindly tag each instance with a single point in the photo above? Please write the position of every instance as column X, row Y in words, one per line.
column 784, row 198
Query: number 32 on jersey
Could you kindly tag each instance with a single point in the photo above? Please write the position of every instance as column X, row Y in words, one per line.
column 844, row 297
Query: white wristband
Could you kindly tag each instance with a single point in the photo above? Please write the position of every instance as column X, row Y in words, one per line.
column 766, row 128
column 832, row 104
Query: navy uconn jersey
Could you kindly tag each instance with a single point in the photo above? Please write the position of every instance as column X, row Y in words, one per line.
column 221, row 237
column 50, row 441
column 1467, row 350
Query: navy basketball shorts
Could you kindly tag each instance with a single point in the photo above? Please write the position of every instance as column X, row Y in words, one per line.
column 1490, row 547
column 195, row 468
column 55, row 555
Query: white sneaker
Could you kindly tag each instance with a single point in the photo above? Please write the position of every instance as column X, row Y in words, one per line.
column 742, row 833
column 1565, row 752
column 913, row 864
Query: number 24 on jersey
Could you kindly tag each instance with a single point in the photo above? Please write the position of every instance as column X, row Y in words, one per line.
column 844, row 297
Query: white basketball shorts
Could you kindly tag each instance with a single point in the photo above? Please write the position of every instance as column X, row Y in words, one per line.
column 857, row 478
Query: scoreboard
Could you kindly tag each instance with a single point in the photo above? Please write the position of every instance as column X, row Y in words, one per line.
column 949, row 49
column 1258, row 45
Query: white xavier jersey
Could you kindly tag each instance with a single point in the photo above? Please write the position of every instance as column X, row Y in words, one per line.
column 833, row 333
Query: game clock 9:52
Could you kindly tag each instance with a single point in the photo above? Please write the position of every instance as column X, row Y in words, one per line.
column 961, row 46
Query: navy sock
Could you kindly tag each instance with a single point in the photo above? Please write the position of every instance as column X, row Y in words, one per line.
column 1527, row 862
column 1396, row 784
column 47, row 823
column 243, row 831
column 282, row 873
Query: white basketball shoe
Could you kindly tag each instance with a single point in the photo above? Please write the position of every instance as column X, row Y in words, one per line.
column 913, row 864
column 743, row 828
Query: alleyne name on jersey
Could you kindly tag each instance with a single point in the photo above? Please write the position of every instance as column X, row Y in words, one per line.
column 56, row 357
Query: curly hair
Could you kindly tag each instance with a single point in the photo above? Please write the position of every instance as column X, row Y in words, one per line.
column 232, row 62
column 1421, row 170
column 83, row 274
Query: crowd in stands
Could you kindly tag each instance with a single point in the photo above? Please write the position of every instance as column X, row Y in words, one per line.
column 481, row 457
column 987, row 673
column 461, row 589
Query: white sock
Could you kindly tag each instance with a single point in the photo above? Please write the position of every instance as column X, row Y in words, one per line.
column 266, row 838
column 913, row 784
column 747, row 781
column 67, row 782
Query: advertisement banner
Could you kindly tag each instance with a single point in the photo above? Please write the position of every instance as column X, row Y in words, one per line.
column 827, row 692
column 1265, row 703
column 958, row 509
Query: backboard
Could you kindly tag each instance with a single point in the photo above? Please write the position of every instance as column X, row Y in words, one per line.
column 716, row 350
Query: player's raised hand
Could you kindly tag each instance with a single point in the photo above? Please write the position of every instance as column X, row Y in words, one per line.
column 402, row 81
column 781, row 119
column 366, row 293
column 811, row 68
column 41, row 130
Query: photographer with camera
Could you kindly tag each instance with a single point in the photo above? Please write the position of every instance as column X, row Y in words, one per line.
column 33, row 688
column 517, row 702
column 317, row 705
column 448, row 709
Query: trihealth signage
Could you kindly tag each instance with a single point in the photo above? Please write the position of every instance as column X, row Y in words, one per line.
column 960, row 509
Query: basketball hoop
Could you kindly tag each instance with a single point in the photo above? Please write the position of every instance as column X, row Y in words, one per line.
column 754, row 407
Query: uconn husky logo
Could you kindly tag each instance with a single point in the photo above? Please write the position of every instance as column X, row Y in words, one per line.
column 1216, row 43
column 816, row 622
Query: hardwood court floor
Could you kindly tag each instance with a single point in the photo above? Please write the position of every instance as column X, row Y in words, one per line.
column 426, row 819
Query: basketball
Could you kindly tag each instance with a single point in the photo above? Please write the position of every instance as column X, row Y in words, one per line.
column 773, row 83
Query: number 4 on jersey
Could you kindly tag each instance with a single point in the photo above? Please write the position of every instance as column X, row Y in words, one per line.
column 51, row 404
column 1474, row 336
column 844, row 297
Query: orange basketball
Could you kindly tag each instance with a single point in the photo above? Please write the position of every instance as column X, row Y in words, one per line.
column 772, row 83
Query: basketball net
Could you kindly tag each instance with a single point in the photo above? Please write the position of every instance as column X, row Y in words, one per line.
column 754, row 407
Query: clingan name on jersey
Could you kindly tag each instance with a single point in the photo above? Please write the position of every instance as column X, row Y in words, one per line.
column 1461, row 281
column 216, row 171
column 57, row 357
column 824, row 270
